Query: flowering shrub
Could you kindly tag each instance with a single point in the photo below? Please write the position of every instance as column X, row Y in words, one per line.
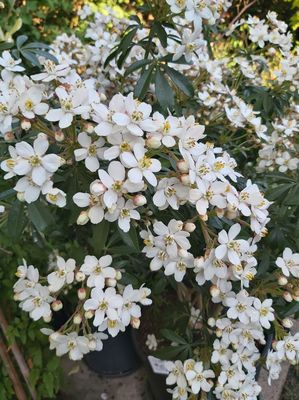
column 147, row 131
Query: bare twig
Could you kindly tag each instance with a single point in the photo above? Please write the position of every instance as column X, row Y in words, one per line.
column 242, row 12
column 17, row 355
column 12, row 373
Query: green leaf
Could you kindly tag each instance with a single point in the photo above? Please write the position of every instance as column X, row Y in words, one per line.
column 37, row 45
column 143, row 83
column 160, row 32
column 172, row 336
column 15, row 220
column 99, row 237
column 7, row 193
column 137, row 65
column 31, row 57
column 180, row 81
column 130, row 238
column 128, row 38
column 5, row 46
column 163, row 91
column 48, row 381
column 111, row 56
column 21, row 40
column 170, row 352
column 40, row 215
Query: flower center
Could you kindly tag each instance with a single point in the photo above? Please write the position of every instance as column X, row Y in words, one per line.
column 145, row 162
column 124, row 146
column 67, row 104
column 170, row 191
column 240, row 307
column 92, row 150
column 37, row 301
column 53, row 197
column 34, row 161
column 219, row 165
column 10, row 163
column 98, row 270
column 28, row 105
column 137, row 116
column 166, row 127
column 233, row 245
column 168, row 239
column 3, row 108
column 117, row 186
column 124, row 213
column 112, row 323
column 264, row 311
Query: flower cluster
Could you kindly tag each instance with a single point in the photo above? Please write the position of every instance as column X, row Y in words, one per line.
column 111, row 306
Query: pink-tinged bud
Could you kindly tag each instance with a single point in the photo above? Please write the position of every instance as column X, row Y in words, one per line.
column 153, row 142
column 274, row 344
column 295, row 298
column 118, row 275
column 185, row 179
column 97, row 188
column 288, row 297
column 135, row 322
column 25, row 124
column 47, row 318
column 9, row 137
column 77, row 319
column 59, row 136
column 182, row 166
column 220, row 212
column 80, row 276
column 204, row 217
column 111, row 282
column 139, row 200
column 92, row 345
column 189, row 227
column 214, row 291
column 21, row 196
column 89, row 314
column 88, row 127
column 57, row 305
column 287, row 323
column 231, row 214
column 282, row 281
column 103, row 97
column 83, row 218
column 81, row 293
column 198, row 261
column 212, row 322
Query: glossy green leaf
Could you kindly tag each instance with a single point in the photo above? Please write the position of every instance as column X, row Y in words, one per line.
column 163, row 91
column 181, row 81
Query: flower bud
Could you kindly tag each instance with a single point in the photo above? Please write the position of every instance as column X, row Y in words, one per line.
column 214, row 291
column 118, row 275
column 231, row 214
column 89, row 314
column 189, row 227
column 135, row 322
column 220, row 212
column 88, row 127
column 47, row 318
column 182, row 166
column 296, row 291
column 295, row 298
column 198, row 261
column 97, row 188
column 204, row 217
column 111, row 282
column 103, row 97
column 16, row 297
column 218, row 333
column 282, row 281
column 211, row 322
column 9, row 136
column 183, row 253
column 21, row 196
column 81, row 293
column 92, row 345
column 185, row 179
column 77, row 319
column 153, row 142
column 274, row 344
column 288, row 297
column 80, row 276
column 287, row 323
column 83, row 218
column 59, row 136
column 25, row 124
column 56, row 305
column 139, row 200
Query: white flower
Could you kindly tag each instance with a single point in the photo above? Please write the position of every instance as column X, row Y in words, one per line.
column 166, row 129
column 76, row 346
column 170, row 192
column 221, row 353
column 207, row 194
column 176, row 373
column 151, row 342
column 114, row 180
column 130, row 309
column 191, row 43
column 177, row 6
column 123, row 212
column 94, row 202
column 72, row 104
column 198, row 378
column 33, row 161
column 37, row 301
column 91, row 151
column 140, row 165
column 104, row 303
column 9, row 63
column 179, row 267
column 135, row 116
column 64, row 274
column 113, row 326
column 229, row 247
column 266, row 312
column 98, row 270
column 288, row 348
column 52, row 71
column 289, row 263
column 30, row 103
column 240, row 307
column 56, row 196
column 31, row 190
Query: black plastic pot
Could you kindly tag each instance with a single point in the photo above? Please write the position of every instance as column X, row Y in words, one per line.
column 118, row 357
column 156, row 382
